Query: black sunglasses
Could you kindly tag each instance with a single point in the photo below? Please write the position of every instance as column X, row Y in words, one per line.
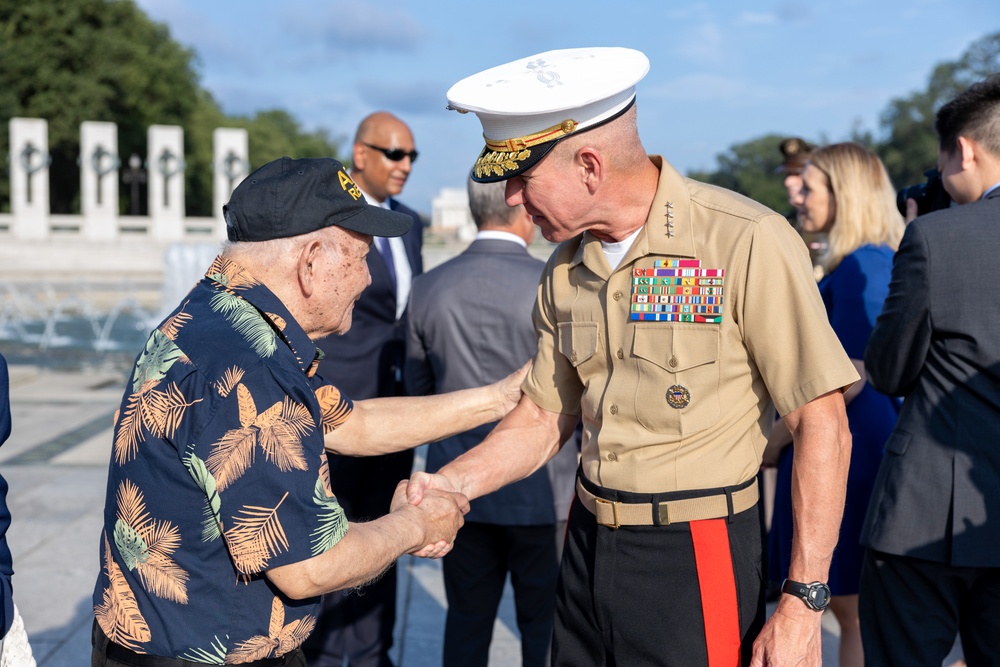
column 395, row 154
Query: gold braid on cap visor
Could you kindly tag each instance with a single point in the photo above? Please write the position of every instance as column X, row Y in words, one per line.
column 499, row 157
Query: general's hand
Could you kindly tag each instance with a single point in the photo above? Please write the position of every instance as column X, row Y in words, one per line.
column 791, row 636
column 420, row 482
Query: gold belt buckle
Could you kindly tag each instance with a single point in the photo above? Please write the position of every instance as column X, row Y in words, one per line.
column 614, row 511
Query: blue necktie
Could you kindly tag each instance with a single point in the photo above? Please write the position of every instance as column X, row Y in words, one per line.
column 385, row 250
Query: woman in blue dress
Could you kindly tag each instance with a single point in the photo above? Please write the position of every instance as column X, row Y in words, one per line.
column 847, row 194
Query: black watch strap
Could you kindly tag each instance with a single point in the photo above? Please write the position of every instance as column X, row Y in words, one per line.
column 816, row 595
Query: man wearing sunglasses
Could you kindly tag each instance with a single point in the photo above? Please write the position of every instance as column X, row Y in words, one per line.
column 367, row 362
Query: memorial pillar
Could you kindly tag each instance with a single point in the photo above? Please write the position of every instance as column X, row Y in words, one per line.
column 165, row 164
column 99, row 165
column 29, row 178
column 231, row 164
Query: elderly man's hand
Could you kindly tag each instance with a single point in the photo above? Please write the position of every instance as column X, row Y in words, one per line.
column 509, row 389
column 440, row 513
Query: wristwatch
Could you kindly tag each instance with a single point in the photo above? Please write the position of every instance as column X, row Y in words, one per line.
column 816, row 595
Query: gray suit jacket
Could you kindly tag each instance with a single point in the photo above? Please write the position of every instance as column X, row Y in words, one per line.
column 470, row 325
column 937, row 343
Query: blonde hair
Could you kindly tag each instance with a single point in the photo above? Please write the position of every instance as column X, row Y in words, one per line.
column 865, row 201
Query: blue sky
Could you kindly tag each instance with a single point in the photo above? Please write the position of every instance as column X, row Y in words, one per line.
column 721, row 72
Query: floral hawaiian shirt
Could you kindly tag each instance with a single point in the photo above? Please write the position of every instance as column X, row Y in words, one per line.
column 218, row 473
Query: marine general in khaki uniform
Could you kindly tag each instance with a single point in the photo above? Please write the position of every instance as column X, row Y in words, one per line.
column 675, row 318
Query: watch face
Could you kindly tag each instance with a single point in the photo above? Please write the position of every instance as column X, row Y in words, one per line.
column 819, row 596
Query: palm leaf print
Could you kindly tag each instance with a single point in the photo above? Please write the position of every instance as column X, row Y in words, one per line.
column 146, row 546
column 232, row 456
column 129, row 433
column 332, row 522
column 281, row 429
column 211, row 525
column 278, row 321
column 156, row 359
column 248, row 409
column 296, row 632
column 334, row 410
column 229, row 380
column 160, row 575
column 118, row 613
column 324, row 475
column 255, row 648
column 162, row 411
column 173, row 324
column 213, row 655
column 277, row 618
column 256, row 536
column 281, row 640
column 247, row 321
column 231, row 274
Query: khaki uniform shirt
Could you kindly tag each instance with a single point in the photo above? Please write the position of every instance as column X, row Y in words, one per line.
column 673, row 406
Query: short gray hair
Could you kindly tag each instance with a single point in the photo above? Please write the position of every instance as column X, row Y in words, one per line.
column 488, row 203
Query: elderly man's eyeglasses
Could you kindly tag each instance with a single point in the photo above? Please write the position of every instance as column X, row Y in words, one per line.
column 395, row 154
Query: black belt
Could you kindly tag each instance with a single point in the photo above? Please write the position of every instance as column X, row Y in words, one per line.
column 119, row 653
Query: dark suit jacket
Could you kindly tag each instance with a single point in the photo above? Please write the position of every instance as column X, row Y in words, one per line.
column 470, row 325
column 937, row 343
column 363, row 362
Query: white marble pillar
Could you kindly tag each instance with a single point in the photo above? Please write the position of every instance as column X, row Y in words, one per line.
column 99, row 166
column 166, row 181
column 231, row 164
column 29, row 178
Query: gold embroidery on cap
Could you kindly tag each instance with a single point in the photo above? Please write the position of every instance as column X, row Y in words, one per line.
column 520, row 143
column 499, row 163
column 345, row 180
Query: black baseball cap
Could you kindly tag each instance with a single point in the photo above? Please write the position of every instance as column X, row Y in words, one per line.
column 289, row 197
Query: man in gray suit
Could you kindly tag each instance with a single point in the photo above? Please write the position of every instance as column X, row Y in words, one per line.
column 932, row 530
column 470, row 319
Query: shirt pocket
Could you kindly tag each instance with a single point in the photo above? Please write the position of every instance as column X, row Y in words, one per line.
column 578, row 342
column 678, row 388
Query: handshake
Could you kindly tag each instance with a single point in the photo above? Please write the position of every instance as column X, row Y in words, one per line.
column 435, row 512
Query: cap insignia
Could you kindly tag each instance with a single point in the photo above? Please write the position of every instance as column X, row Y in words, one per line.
column 499, row 163
column 345, row 181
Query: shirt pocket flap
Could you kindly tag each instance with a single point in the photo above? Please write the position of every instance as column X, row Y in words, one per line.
column 578, row 341
column 676, row 350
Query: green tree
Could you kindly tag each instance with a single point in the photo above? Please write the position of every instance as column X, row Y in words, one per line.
column 102, row 60
column 750, row 169
column 68, row 61
column 910, row 144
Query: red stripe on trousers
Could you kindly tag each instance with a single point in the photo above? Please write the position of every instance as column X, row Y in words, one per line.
column 718, row 591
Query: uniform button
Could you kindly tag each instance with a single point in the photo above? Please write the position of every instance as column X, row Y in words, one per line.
column 573, row 357
column 614, row 409
column 617, row 296
column 673, row 362
column 620, row 354
column 612, row 457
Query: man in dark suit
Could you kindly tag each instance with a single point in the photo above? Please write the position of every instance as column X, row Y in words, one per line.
column 932, row 530
column 367, row 362
column 470, row 320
